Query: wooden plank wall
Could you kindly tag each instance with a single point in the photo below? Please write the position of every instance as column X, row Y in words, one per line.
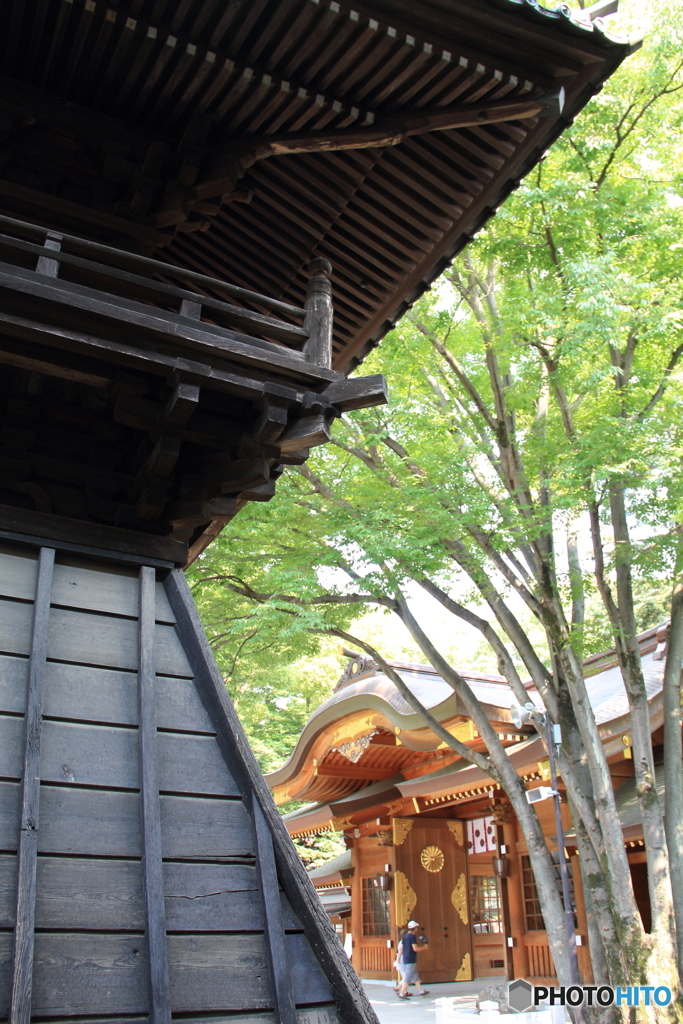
column 90, row 955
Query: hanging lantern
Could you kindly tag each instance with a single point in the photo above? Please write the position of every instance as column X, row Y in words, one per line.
column 501, row 867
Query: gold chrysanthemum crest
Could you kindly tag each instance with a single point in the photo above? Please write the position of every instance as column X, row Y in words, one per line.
column 432, row 859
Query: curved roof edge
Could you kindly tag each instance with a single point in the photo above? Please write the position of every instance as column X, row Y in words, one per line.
column 378, row 694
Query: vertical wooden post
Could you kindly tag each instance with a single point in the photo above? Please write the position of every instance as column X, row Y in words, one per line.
column 153, row 883
column 505, row 907
column 318, row 322
column 515, row 893
column 45, row 265
column 357, row 908
column 27, row 854
column 284, row 1008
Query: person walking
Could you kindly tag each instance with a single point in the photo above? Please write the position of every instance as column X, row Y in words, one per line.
column 399, row 953
column 411, row 945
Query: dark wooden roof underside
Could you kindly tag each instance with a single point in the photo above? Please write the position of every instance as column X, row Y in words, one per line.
column 127, row 74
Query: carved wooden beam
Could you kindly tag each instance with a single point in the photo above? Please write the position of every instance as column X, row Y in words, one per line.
column 232, row 160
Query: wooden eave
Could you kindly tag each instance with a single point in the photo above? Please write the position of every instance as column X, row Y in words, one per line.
column 466, row 778
column 612, row 735
column 333, row 777
column 113, row 115
column 344, row 812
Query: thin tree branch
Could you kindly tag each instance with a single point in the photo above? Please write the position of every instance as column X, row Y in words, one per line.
column 243, row 589
column 675, row 356
column 458, row 370
column 472, row 756
column 622, row 134
column 505, row 617
column 505, row 663
column 322, row 489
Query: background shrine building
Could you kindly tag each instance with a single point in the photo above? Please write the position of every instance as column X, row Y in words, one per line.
column 430, row 837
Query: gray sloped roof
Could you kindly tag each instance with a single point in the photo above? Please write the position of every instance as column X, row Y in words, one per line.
column 332, row 867
column 335, row 901
column 628, row 808
column 429, row 688
column 608, row 695
column 605, row 690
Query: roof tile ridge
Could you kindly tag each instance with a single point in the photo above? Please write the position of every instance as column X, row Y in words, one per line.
column 430, row 670
column 569, row 20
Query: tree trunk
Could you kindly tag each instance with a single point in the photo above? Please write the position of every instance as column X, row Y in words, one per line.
column 673, row 758
column 539, row 855
column 664, row 951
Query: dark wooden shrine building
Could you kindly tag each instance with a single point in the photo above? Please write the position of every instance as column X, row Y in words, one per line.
column 175, row 176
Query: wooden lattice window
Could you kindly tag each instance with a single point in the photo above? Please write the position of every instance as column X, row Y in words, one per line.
column 375, row 908
column 487, row 915
column 532, row 904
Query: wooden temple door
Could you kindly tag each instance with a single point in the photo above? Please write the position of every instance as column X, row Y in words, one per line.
column 431, row 886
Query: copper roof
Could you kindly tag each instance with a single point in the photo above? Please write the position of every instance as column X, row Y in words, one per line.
column 378, row 693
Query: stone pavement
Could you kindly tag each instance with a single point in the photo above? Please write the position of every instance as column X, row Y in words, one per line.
column 421, row 1009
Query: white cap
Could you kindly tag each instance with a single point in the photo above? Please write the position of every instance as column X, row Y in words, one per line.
column 413, row 924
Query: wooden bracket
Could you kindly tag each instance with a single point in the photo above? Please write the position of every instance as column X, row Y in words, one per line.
column 188, row 515
column 313, row 428
column 182, row 403
column 150, row 811
column 357, row 393
column 261, row 492
column 153, row 497
column 230, row 476
column 273, row 418
column 154, row 477
column 296, row 458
